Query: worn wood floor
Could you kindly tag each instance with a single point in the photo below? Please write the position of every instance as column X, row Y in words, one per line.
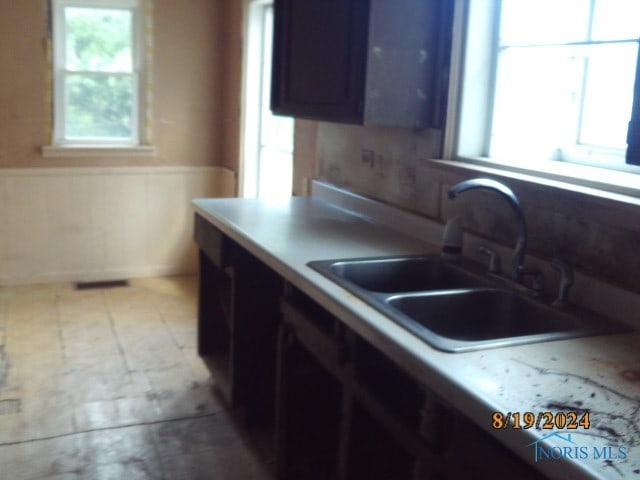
column 107, row 384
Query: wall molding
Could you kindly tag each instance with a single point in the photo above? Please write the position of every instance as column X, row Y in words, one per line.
column 101, row 223
column 114, row 170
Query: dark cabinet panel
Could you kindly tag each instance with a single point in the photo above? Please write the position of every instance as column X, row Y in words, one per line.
column 319, row 50
column 238, row 318
column 370, row 418
column 371, row 62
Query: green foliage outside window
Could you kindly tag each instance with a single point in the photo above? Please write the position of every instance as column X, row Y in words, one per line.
column 99, row 83
column 99, row 106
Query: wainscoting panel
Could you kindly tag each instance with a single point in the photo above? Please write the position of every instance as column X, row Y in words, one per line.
column 87, row 224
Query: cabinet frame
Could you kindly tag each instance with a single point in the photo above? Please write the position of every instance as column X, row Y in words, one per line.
column 367, row 62
column 257, row 332
column 238, row 318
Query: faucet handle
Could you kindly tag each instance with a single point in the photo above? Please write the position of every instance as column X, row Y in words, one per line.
column 495, row 265
column 566, row 281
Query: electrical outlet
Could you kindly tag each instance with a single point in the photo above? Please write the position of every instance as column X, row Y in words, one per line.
column 368, row 156
column 410, row 174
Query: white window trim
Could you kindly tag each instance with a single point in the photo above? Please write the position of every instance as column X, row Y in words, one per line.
column 137, row 145
column 465, row 129
column 83, row 151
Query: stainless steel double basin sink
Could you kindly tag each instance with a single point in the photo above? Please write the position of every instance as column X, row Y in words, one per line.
column 455, row 306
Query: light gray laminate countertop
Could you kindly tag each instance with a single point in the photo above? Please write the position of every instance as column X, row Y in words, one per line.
column 599, row 374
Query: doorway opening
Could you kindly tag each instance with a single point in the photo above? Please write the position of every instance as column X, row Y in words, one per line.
column 267, row 163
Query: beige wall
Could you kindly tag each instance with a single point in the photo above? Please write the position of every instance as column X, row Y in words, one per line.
column 103, row 218
column 196, row 57
column 97, row 223
column 22, row 81
column 304, row 155
column 232, row 43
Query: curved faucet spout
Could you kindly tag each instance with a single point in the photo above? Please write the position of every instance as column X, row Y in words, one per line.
column 507, row 193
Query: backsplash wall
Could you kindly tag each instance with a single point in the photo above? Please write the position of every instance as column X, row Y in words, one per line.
column 598, row 236
column 383, row 163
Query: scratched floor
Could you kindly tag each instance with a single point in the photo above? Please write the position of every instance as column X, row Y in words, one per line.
column 107, row 384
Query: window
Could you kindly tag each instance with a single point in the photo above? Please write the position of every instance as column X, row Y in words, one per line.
column 97, row 73
column 548, row 81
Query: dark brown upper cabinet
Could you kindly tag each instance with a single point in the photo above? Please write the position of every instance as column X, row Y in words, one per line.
column 367, row 62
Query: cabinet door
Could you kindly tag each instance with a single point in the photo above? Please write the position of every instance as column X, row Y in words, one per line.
column 319, row 59
column 408, row 63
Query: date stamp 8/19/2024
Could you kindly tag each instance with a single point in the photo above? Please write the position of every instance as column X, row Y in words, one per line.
column 541, row 420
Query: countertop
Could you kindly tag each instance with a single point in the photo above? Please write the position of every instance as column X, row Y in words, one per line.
column 596, row 374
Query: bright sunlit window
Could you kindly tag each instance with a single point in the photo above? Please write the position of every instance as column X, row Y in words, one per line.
column 97, row 65
column 267, row 165
column 550, row 80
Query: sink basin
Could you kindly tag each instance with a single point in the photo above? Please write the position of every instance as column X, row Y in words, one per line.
column 480, row 314
column 455, row 307
column 399, row 274
column 462, row 320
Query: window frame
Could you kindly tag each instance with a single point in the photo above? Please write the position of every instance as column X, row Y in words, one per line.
column 59, row 73
column 469, row 113
column 633, row 141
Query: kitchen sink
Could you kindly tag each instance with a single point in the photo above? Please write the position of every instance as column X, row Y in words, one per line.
column 462, row 320
column 455, row 307
column 400, row 274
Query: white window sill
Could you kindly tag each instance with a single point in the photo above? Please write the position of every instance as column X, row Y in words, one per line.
column 590, row 181
column 79, row 151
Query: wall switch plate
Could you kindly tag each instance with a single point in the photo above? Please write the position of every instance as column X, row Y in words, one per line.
column 368, row 156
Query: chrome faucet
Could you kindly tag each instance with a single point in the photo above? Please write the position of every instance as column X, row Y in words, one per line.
column 521, row 244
